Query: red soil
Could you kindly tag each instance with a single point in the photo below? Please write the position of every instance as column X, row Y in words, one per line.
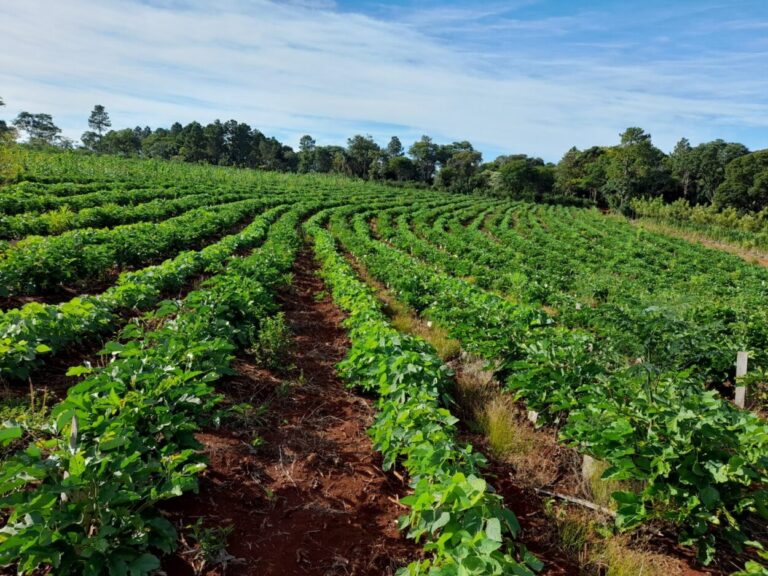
column 313, row 499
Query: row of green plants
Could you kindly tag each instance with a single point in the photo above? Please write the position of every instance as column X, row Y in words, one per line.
column 49, row 167
column 33, row 198
column 68, row 188
column 749, row 230
column 463, row 524
column 107, row 215
column 67, row 169
column 43, row 264
column 606, row 289
column 30, row 333
column 463, row 264
column 640, row 324
column 663, row 299
column 702, row 464
column 81, row 494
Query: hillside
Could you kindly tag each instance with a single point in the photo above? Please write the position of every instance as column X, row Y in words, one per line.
column 213, row 370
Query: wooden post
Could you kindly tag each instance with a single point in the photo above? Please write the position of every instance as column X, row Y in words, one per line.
column 533, row 416
column 740, row 398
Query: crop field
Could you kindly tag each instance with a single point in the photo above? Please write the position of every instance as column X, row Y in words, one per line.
column 219, row 371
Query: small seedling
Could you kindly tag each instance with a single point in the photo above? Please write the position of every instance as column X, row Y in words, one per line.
column 210, row 546
column 320, row 295
column 273, row 342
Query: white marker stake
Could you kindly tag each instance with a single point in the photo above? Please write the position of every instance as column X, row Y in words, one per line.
column 740, row 399
column 588, row 466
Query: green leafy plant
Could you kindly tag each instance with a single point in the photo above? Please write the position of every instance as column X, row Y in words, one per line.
column 273, row 342
column 463, row 524
column 208, row 546
column 82, row 499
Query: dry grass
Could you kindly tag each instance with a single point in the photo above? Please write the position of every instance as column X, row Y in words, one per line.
column 599, row 552
column 551, row 312
column 534, row 454
column 573, row 532
column 505, row 438
column 599, row 489
column 619, row 557
column 445, row 346
column 475, row 386
column 405, row 320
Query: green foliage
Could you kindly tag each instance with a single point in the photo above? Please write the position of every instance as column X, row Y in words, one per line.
column 273, row 342
column 700, row 460
column 745, row 186
column 458, row 175
column 99, row 119
column 638, row 332
column 618, row 175
column 81, row 499
column 700, row 170
column 523, row 178
column 9, row 161
column 464, row 525
column 37, row 264
column 210, row 546
column 36, row 329
column 581, row 174
column 361, row 153
column 425, row 157
column 633, row 168
column 726, row 224
column 126, row 143
column 39, row 128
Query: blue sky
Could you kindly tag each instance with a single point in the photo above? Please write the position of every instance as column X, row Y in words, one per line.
column 516, row 76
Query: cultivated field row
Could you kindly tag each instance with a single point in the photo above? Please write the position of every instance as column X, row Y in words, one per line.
column 616, row 344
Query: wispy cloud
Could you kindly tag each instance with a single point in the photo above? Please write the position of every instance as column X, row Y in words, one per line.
column 507, row 81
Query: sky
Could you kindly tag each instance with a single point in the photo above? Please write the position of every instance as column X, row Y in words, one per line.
column 516, row 76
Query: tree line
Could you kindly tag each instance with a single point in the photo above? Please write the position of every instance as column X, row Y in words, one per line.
column 718, row 173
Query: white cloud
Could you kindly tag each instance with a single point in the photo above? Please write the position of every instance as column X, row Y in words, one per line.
column 298, row 67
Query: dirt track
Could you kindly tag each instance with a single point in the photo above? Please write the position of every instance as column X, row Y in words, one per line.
column 313, row 499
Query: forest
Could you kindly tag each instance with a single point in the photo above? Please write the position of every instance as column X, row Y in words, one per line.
column 717, row 174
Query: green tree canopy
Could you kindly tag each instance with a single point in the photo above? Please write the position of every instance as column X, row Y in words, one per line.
column 634, row 168
column 4, row 128
column 521, row 177
column 425, row 156
column 401, row 169
column 99, row 120
column 682, row 166
column 581, row 174
column 160, row 144
column 362, row 151
column 460, row 170
column 307, row 149
column 699, row 170
column 395, row 147
column 39, row 128
column 123, row 142
column 745, row 186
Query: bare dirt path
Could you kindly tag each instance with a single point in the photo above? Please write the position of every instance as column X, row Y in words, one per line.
column 313, row 499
